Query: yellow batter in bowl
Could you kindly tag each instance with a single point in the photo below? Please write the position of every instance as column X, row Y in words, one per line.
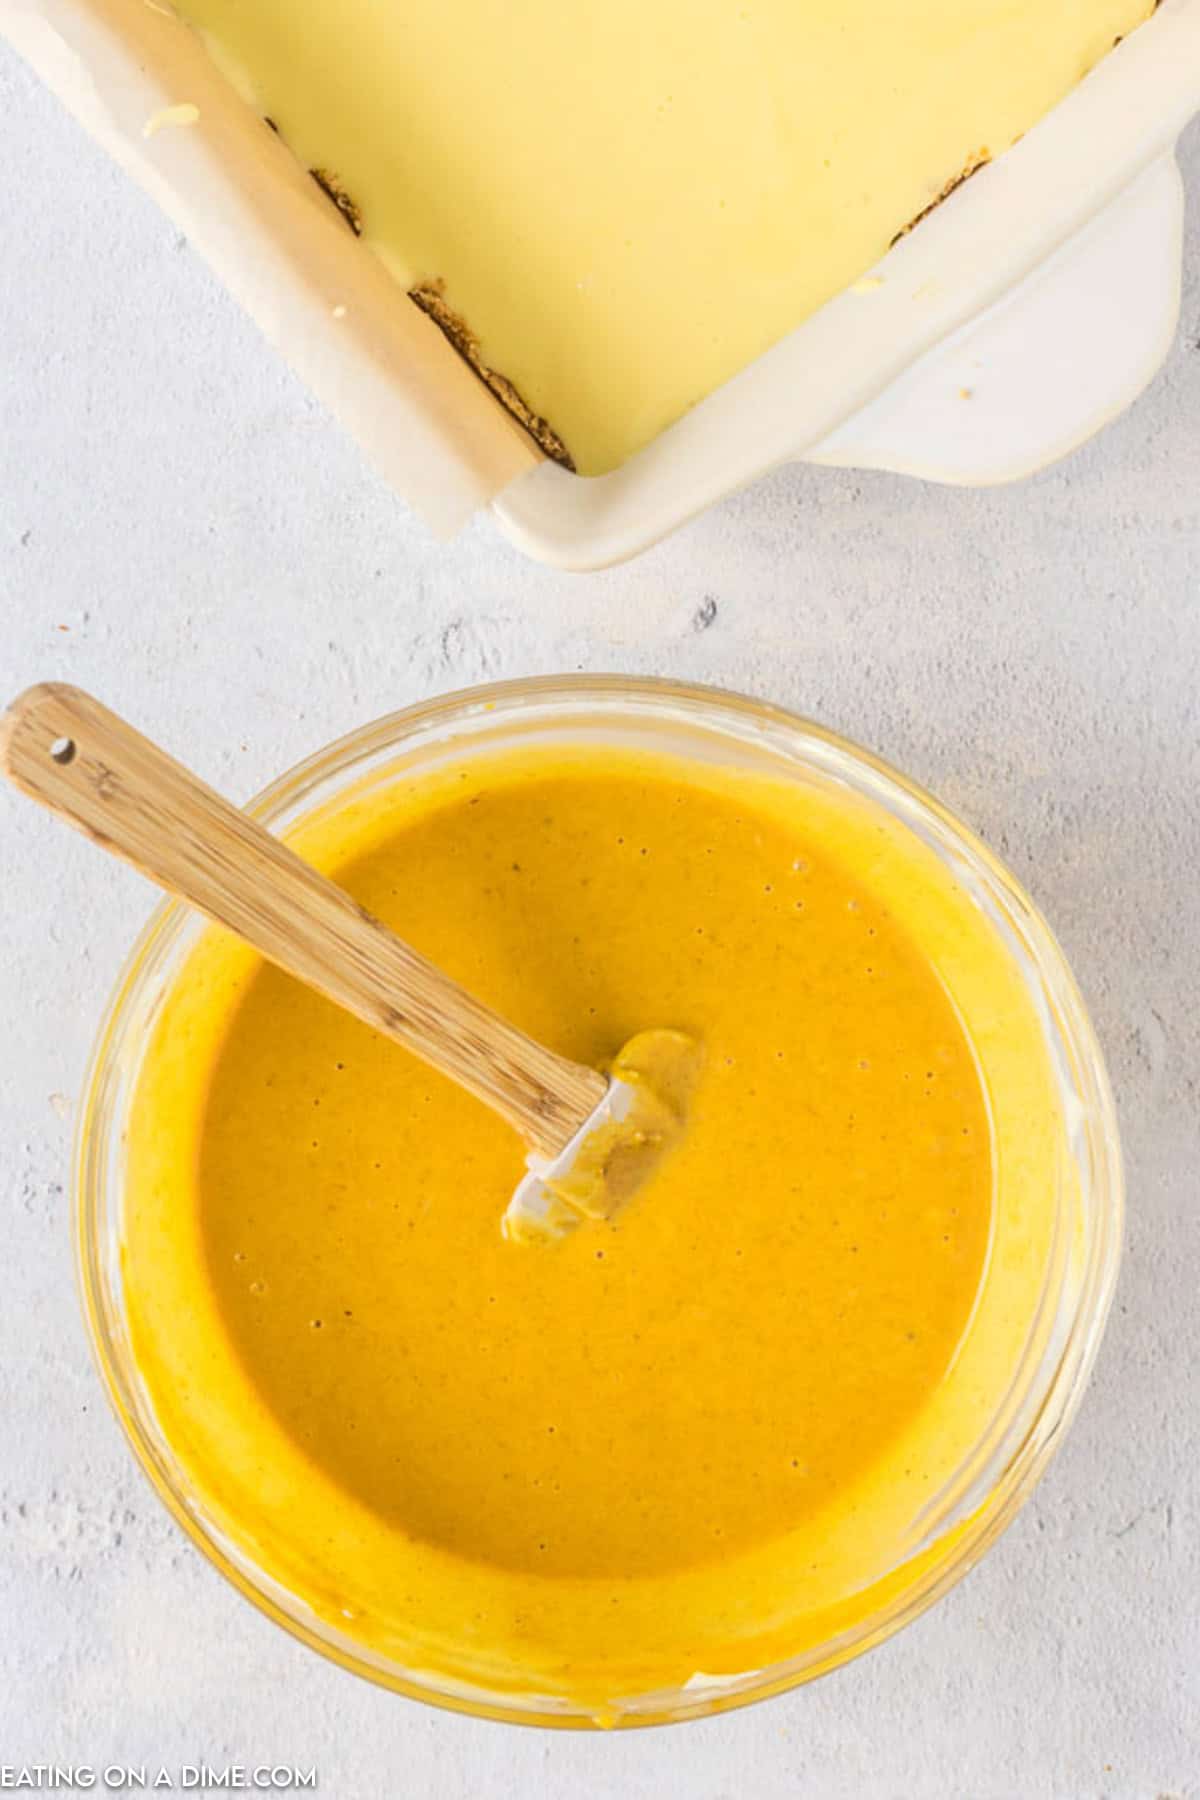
column 674, row 1453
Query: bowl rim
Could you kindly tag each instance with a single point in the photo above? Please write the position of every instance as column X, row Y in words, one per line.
column 1038, row 1440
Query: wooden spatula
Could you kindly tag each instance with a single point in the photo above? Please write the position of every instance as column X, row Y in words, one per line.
column 66, row 750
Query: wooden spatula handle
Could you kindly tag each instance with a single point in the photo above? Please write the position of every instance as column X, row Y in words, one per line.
column 65, row 749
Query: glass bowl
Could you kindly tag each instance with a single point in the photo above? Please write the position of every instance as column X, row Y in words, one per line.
column 1078, row 1176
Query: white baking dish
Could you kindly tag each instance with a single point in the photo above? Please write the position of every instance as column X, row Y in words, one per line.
column 1020, row 316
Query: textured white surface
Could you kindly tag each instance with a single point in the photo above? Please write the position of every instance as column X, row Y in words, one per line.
column 183, row 531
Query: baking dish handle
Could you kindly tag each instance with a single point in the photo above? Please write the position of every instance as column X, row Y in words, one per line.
column 1042, row 370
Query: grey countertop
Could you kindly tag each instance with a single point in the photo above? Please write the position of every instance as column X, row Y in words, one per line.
column 184, row 531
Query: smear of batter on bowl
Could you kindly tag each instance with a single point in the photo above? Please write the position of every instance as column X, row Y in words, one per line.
column 623, row 202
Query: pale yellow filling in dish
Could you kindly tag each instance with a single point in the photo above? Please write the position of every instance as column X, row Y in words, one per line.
column 629, row 200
